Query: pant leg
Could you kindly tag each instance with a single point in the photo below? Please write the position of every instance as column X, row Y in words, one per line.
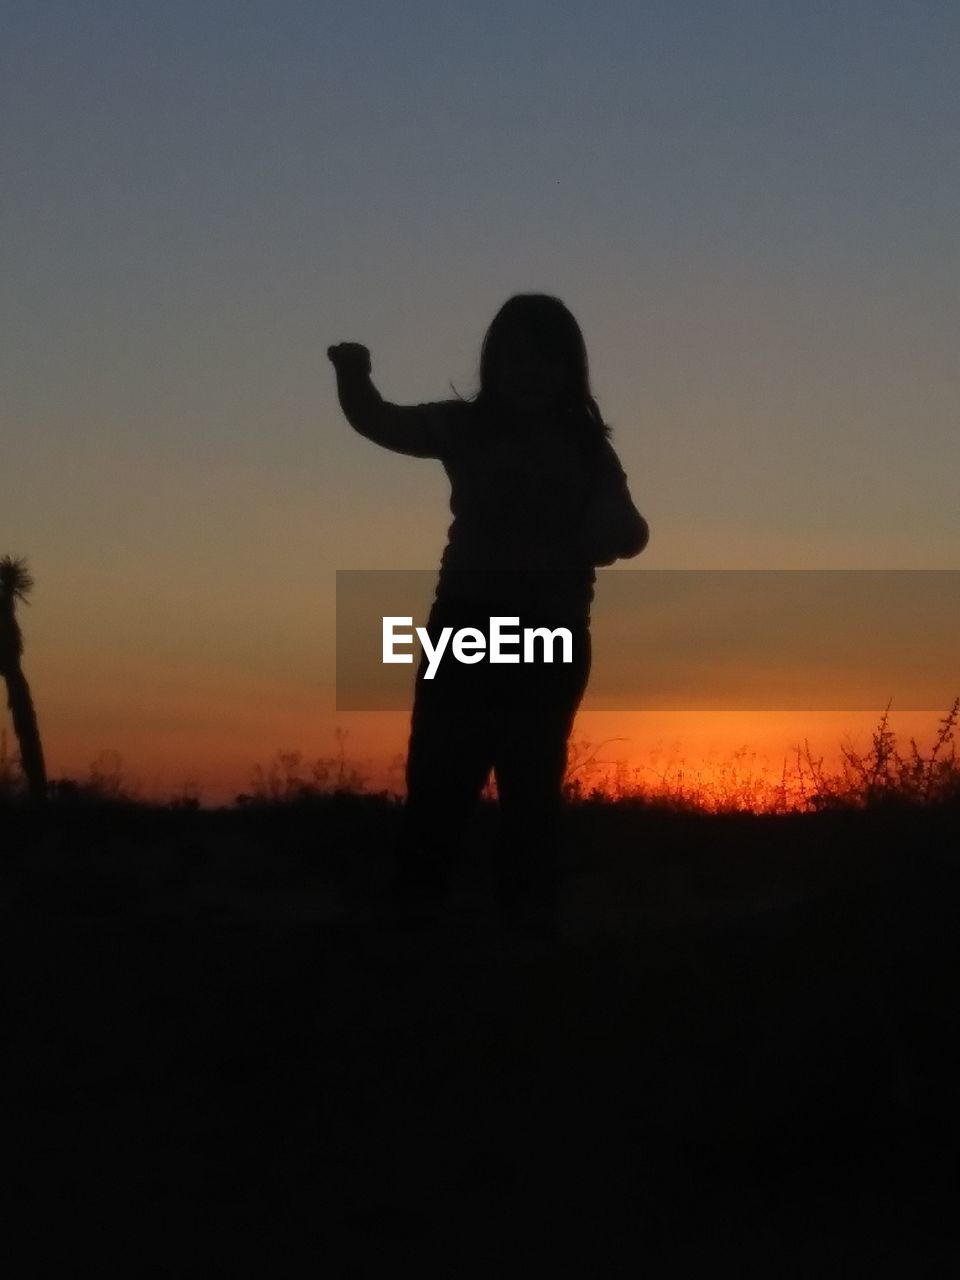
column 450, row 752
column 529, row 765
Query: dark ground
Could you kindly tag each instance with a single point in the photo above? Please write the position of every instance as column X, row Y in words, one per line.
column 217, row 1062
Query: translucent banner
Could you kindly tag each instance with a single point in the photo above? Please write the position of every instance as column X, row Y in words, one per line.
column 672, row 639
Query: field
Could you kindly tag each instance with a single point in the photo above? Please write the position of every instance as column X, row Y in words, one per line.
column 219, row 1057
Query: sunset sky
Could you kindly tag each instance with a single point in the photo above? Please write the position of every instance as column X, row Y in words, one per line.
column 750, row 207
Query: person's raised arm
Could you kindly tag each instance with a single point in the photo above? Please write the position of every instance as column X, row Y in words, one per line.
column 402, row 428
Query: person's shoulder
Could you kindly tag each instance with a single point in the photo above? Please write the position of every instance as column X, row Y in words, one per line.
column 455, row 409
column 449, row 422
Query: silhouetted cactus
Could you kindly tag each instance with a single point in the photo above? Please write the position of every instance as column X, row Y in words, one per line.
column 16, row 584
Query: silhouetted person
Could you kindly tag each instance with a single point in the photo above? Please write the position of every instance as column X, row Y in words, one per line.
column 539, row 498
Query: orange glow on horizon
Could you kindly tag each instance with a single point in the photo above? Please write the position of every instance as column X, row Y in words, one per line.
column 721, row 753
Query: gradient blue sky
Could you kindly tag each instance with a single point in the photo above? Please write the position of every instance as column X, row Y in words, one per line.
column 752, row 209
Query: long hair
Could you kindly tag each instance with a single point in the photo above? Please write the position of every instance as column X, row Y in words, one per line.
column 551, row 327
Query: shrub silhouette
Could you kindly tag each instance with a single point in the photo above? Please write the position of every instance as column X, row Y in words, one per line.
column 741, row 783
column 881, row 775
column 287, row 777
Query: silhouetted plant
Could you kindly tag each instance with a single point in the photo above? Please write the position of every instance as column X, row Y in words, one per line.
column 336, row 773
column 817, row 789
column 939, row 773
column 583, row 763
column 11, row 776
column 880, row 775
column 280, row 779
column 16, row 584
column 187, row 795
column 287, row 777
column 883, row 775
column 874, row 774
column 105, row 780
column 740, row 783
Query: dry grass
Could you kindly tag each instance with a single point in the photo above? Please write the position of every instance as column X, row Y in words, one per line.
column 744, row 783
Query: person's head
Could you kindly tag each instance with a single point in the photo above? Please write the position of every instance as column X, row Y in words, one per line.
column 534, row 362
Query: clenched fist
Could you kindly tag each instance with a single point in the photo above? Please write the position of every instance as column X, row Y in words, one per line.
column 349, row 358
